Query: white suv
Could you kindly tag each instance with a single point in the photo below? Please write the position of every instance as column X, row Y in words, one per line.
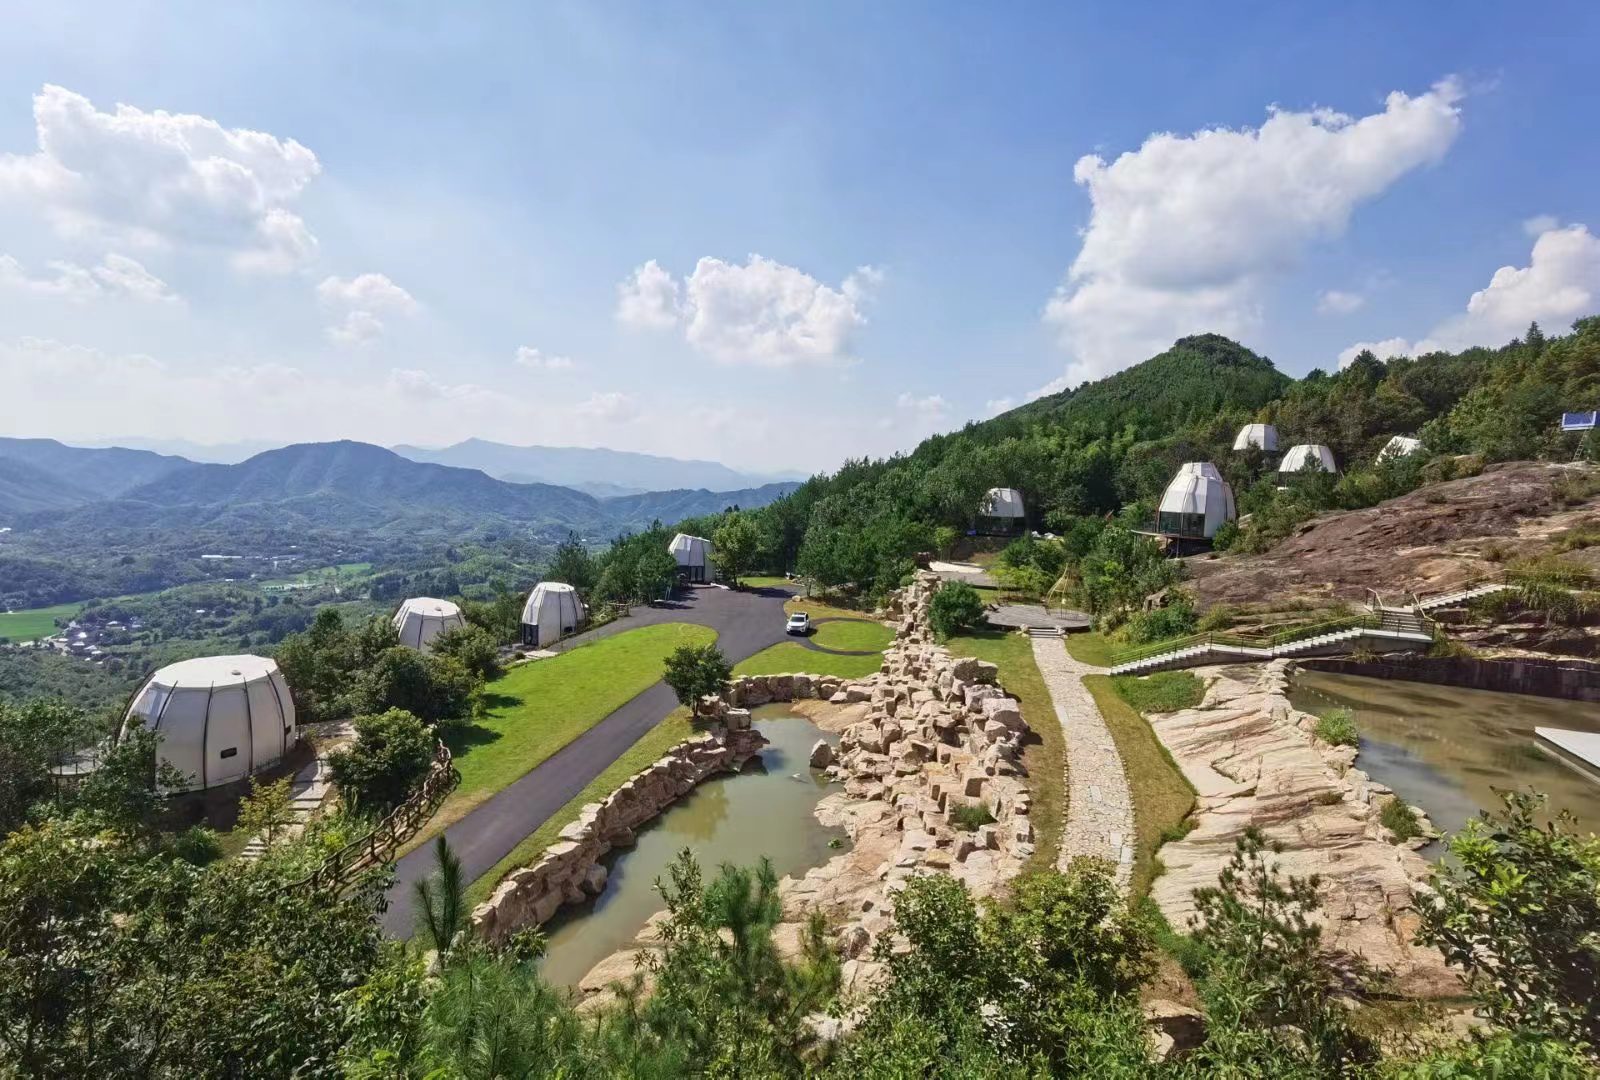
column 799, row 623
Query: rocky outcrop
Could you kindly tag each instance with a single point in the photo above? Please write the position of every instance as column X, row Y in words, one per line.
column 1254, row 761
column 928, row 734
column 570, row 870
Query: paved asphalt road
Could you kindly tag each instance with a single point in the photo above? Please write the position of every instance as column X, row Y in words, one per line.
column 745, row 622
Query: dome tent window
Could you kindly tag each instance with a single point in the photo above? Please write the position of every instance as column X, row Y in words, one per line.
column 1398, row 447
column 1263, row 437
column 693, row 554
column 553, row 611
column 1305, row 454
column 422, row 618
column 1196, row 503
column 218, row 718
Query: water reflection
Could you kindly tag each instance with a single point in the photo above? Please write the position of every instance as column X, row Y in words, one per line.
column 1449, row 750
column 765, row 810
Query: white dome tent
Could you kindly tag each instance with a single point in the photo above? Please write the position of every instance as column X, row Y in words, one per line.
column 1398, row 447
column 1196, row 503
column 1002, row 510
column 219, row 718
column 1307, row 453
column 422, row 618
column 552, row 612
column 1262, row 437
column 694, row 556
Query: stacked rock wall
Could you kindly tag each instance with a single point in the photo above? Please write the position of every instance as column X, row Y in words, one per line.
column 570, row 871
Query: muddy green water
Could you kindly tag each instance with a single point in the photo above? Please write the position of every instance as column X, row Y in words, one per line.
column 764, row 810
column 1448, row 750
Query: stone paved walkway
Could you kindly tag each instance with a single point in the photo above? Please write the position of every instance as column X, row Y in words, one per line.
column 1099, row 805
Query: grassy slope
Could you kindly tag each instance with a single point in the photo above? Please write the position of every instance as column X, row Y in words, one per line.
column 789, row 656
column 853, row 635
column 1090, row 648
column 535, row 709
column 35, row 622
column 652, row 745
column 1045, row 755
column 1162, row 797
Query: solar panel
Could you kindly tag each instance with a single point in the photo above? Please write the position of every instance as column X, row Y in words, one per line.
column 1579, row 421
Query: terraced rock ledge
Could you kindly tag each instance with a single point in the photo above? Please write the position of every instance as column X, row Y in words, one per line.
column 1253, row 760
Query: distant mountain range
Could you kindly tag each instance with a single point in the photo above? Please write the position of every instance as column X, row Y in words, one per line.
column 339, row 485
column 597, row 471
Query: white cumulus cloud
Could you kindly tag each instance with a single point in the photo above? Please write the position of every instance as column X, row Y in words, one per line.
column 762, row 313
column 360, row 303
column 1561, row 283
column 539, row 360
column 116, row 275
column 1185, row 232
column 163, row 179
column 1339, row 302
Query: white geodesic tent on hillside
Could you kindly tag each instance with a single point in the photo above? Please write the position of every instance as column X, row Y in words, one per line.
column 218, row 718
column 1003, row 503
column 1398, row 447
column 552, row 612
column 1308, row 453
column 1261, row 436
column 422, row 618
column 1196, row 503
column 694, row 556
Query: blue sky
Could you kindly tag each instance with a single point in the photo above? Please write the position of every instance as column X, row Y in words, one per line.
column 432, row 188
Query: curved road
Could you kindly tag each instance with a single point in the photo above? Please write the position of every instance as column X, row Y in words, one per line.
column 745, row 622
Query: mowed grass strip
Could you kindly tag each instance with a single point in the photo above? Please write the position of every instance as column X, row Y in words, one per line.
column 35, row 623
column 788, row 657
column 652, row 746
column 1045, row 754
column 1162, row 796
column 853, row 634
column 537, row 708
column 1091, row 648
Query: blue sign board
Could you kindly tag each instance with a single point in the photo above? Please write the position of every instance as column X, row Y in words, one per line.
column 1579, row 421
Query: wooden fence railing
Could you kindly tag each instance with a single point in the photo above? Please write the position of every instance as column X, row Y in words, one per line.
column 401, row 824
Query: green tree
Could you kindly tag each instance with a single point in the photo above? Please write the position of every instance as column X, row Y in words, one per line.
column 734, row 545
column 265, row 810
column 954, row 608
column 571, row 563
column 696, row 671
column 1518, row 909
column 392, row 752
column 441, row 901
column 472, row 647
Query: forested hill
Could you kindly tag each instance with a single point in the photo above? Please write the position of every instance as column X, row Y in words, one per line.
column 1112, row 446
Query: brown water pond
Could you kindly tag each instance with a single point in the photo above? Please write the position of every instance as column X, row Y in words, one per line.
column 764, row 810
column 1449, row 750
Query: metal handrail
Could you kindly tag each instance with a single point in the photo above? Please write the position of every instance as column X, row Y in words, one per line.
column 1242, row 641
column 398, row 826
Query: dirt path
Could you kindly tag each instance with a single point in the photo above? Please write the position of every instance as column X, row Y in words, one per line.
column 1099, row 804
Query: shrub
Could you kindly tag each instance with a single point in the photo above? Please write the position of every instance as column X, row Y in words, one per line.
column 954, row 608
column 392, row 752
column 1518, row 909
column 970, row 817
column 1218, row 617
column 1397, row 817
column 1176, row 619
column 1337, row 727
column 1227, row 535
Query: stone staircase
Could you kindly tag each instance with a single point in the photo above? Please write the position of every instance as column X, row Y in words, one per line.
column 1461, row 596
column 1393, row 628
column 307, row 791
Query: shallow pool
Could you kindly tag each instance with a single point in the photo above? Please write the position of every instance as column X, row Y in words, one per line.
column 1448, row 750
column 764, row 810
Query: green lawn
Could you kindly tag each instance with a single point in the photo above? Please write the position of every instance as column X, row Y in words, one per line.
column 789, row 656
column 653, row 745
column 1090, row 648
column 853, row 635
column 1162, row 797
column 760, row 581
column 537, row 708
column 35, row 622
column 1045, row 755
column 1165, row 691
